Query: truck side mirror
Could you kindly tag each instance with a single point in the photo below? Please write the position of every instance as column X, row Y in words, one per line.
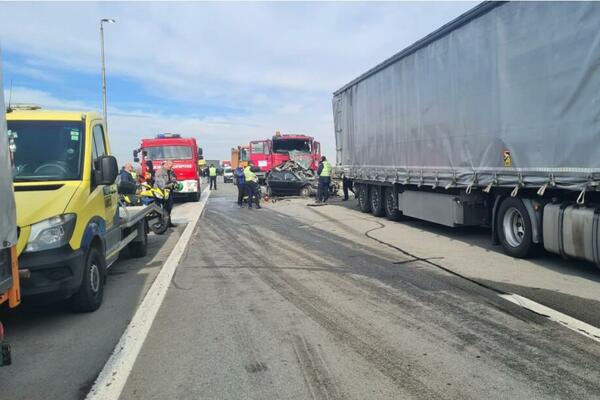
column 135, row 156
column 200, row 153
column 106, row 170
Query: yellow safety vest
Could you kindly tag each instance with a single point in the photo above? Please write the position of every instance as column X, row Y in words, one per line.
column 249, row 175
column 326, row 171
column 212, row 171
column 134, row 175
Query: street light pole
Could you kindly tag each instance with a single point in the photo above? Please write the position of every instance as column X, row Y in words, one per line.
column 102, row 21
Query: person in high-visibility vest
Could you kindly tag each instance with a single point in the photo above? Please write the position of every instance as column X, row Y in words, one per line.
column 212, row 176
column 324, row 172
column 251, row 183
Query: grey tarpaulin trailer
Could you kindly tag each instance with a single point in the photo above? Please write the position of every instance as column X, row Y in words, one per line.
column 9, row 277
column 493, row 119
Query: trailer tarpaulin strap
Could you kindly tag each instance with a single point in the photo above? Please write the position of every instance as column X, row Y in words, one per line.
column 8, row 224
column 508, row 92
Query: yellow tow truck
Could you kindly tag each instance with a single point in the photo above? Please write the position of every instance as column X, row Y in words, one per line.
column 72, row 227
column 9, row 273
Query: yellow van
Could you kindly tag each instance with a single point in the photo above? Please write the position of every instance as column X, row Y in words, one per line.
column 71, row 226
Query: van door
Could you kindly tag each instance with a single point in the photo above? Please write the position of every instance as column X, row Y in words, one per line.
column 107, row 193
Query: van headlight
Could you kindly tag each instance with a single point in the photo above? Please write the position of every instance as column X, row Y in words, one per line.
column 51, row 233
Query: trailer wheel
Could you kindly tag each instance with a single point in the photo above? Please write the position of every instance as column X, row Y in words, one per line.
column 140, row 249
column 515, row 228
column 376, row 201
column 363, row 198
column 391, row 212
column 90, row 294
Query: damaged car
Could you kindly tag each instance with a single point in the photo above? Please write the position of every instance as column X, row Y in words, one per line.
column 292, row 179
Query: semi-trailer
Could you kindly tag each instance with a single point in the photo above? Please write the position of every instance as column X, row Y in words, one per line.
column 10, row 293
column 491, row 120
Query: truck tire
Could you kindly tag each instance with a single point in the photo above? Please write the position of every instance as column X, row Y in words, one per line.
column 515, row 228
column 140, row 249
column 90, row 294
column 363, row 198
column 376, row 200
column 391, row 212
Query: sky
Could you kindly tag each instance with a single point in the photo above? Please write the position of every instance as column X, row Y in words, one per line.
column 225, row 73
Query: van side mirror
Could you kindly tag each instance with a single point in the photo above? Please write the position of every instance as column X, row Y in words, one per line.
column 106, row 170
column 135, row 156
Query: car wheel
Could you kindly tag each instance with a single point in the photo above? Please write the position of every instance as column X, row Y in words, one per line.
column 306, row 191
column 515, row 229
column 363, row 198
column 90, row 294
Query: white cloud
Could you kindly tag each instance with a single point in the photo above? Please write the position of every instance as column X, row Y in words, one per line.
column 276, row 62
column 215, row 134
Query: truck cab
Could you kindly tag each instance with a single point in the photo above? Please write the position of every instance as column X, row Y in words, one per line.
column 67, row 206
column 268, row 153
column 183, row 152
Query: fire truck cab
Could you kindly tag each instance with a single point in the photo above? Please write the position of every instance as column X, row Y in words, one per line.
column 183, row 152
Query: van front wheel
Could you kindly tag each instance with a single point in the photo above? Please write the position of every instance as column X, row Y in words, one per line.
column 90, row 294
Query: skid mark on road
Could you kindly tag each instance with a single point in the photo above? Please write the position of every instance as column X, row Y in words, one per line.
column 314, row 368
column 397, row 367
column 471, row 327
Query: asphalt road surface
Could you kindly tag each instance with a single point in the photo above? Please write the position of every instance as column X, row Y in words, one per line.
column 57, row 354
column 296, row 302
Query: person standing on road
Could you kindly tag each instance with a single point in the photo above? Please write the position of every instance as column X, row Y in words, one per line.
column 166, row 179
column 324, row 172
column 251, row 183
column 240, row 182
column 212, row 176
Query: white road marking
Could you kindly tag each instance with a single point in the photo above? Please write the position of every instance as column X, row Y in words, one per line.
column 574, row 324
column 113, row 377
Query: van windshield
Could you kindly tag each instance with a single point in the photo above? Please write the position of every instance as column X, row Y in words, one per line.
column 169, row 153
column 47, row 150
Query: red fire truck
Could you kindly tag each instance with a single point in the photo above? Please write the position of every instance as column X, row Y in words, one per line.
column 183, row 152
column 271, row 152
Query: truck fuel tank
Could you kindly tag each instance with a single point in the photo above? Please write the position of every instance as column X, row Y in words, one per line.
column 572, row 230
